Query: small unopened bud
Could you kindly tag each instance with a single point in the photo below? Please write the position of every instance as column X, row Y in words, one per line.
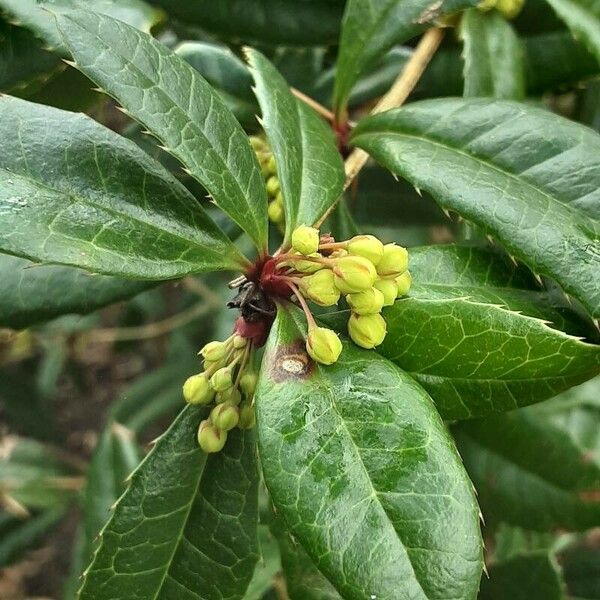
column 239, row 342
column 393, row 262
column 231, row 395
column 367, row 246
column 272, row 185
column 305, row 266
column 271, row 166
column 323, row 345
column 214, row 351
column 275, row 210
column 509, row 8
column 403, row 282
column 210, row 438
column 305, row 240
column 247, row 416
column 248, row 383
column 367, row 302
column 257, row 143
column 221, row 379
column 354, row 274
column 367, row 331
column 389, row 289
column 225, row 416
column 320, row 288
column 197, row 389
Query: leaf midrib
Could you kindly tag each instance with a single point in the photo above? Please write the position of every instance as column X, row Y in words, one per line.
column 194, row 76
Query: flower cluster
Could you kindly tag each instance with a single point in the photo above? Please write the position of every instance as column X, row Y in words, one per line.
column 228, row 381
column 369, row 274
column 269, row 171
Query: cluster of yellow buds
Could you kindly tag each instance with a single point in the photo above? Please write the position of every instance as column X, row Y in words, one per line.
column 369, row 274
column 228, row 381
column 268, row 168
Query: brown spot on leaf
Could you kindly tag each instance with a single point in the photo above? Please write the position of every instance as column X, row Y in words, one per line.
column 291, row 362
column 589, row 495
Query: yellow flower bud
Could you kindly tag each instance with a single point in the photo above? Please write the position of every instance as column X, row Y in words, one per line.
column 221, row 379
column 367, row 302
column 225, row 416
column 403, row 282
column 247, row 416
column 320, row 288
column 231, row 395
column 257, row 143
column 272, row 185
column 197, row 390
column 486, row 5
column 210, row 438
column 275, row 210
column 389, row 289
column 339, row 253
column 367, row 331
column 305, row 266
column 239, row 342
column 367, row 246
column 510, row 8
column 248, row 383
column 354, row 274
column 214, row 351
column 271, row 166
column 393, row 262
column 323, row 345
column 305, row 240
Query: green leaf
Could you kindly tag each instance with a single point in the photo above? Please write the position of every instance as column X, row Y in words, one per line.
column 22, row 61
column 371, row 27
column 31, row 293
column 267, row 568
column 94, row 200
column 531, row 468
column 525, row 176
column 186, row 526
column 309, row 167
column 172, row 100
column 226, row 73
column 362, row 470
column 480, row 335
column 493, row 56
column 39, row 15
column 279, row 22
column 583, row 19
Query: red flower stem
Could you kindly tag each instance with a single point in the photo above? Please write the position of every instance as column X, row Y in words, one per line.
column 303, row 304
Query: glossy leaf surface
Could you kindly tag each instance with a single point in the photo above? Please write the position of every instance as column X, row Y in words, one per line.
column 176, row 104
column 94, row 200
column 583, row 19
column 538, row 467
column 186, row 526
column 39, row 15
column 493, row 56
column 360, row 466
column 309, row 166
column 371, row 27
column 524, row 175
column 31, row 293
column 279, row 22
column 481, row 336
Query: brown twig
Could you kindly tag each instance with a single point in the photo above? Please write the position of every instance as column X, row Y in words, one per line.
column 396, row 96
column 324, row 112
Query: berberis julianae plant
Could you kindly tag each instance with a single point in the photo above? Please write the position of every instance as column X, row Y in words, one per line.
column 387, row 250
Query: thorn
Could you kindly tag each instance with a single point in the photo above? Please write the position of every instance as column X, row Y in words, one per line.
column 187, row 171
column 489, row 238
column 71, row 63
column 113, row 506
column 568, row 298
column 513, row 260
column 447, row 213
column 123, row 110
column 97, row 89
column 163, row 148
column 485, row 570
column 538, row 279
column 260, row 121
column 146, row 132
column 481, row 518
